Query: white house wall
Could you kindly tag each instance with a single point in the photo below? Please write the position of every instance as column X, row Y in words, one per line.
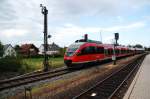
column 9, row 52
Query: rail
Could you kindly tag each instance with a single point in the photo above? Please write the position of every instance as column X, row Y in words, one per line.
column 108, row 87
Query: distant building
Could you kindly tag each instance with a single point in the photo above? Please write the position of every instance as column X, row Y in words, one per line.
column 9, row 51
column 28, row 50
column 53, row 49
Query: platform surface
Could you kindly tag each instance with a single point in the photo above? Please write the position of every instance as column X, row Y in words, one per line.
column 140, row 87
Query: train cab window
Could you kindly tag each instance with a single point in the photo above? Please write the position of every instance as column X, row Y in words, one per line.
column 72, row 48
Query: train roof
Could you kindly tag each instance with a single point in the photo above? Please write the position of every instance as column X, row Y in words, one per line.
column 88, row 41
column 107, row 46
column 77, row 44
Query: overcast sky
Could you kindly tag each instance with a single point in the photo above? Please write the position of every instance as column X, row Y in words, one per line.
column 21, row 21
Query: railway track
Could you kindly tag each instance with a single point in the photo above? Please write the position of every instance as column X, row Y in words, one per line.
column 22, row 80
column 108, row 88
column 33, row 77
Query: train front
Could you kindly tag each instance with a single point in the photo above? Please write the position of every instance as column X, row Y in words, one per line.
column 71, row 54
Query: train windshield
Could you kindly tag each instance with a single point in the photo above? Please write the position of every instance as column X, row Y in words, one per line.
column 72, row 48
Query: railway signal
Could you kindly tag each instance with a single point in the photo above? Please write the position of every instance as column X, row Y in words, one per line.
column 116, row 37
column 44, row 11
column 115, row 44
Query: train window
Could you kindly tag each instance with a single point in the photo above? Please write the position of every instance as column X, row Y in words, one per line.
column 85, row 50
column 72, row 49
column 121, row 51
column 92, row 50
column 110, row 51
column 116, row 51
column 100, row 50
column 106, row 51
column 88, row 50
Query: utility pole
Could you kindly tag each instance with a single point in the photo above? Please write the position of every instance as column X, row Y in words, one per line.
column 45, row 62
column 115, row 44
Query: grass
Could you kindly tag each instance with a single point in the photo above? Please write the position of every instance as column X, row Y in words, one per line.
column 37, row 63
column 24, row 65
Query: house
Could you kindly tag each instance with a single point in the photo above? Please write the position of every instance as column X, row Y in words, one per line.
column 53, row 49
column 9, row 51
column 28, row 50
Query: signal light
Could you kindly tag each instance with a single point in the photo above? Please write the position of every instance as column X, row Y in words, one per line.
column 86, row 37
column 116, row 36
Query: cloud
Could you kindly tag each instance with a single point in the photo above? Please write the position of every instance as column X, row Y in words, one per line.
column 78, row 8
column 71, row 32
column 22, row 20
column 14, row 33
column 128, row 27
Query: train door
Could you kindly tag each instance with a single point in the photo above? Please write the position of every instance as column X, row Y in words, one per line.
column 100, row 53
column 106, row 53
column 92, row 53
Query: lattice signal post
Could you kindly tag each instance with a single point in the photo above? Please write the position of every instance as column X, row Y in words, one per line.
column 44, row 11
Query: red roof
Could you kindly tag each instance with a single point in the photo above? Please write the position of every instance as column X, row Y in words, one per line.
column 27, row 47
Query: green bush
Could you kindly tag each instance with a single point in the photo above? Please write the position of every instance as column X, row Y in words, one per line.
column 24, row 65
column 10, row 64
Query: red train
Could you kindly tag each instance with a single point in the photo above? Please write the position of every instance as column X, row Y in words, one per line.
column 87, row 51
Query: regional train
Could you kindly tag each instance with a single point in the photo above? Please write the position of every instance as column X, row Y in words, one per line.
column 88, row 51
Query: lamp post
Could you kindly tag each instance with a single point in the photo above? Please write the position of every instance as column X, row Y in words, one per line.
column 44, row 11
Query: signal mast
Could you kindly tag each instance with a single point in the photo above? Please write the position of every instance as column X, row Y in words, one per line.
column 44, row 11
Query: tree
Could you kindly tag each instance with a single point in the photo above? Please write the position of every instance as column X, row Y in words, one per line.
column 17, row 49
column 148, row 49
column 1, row 49
column 130, row 45
column 62, row 51
column 138, row 46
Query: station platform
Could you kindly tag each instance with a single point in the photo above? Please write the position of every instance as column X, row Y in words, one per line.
column 140, row 87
